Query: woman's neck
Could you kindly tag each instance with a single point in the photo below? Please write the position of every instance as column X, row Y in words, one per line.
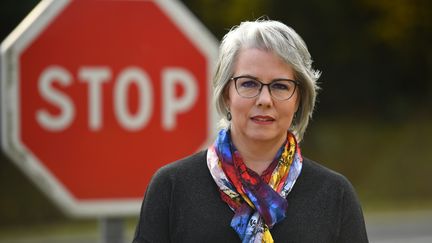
column 257, row 155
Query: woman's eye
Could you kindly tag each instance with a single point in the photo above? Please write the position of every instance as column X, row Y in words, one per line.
column 280, row 86
column 249, row 84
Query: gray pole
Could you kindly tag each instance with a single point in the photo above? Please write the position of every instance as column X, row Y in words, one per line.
column 112, row 230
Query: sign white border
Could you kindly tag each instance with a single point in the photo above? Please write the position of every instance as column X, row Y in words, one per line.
column 11, row 49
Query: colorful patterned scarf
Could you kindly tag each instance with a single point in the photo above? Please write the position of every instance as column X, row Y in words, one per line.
column 258, row 202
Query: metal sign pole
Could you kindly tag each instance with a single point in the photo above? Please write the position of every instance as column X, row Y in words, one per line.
column 112, row 230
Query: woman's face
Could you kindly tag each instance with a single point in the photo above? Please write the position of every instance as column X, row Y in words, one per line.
column 262, row 118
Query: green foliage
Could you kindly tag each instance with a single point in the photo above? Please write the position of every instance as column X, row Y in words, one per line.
column 220, row 15
column 399, row 22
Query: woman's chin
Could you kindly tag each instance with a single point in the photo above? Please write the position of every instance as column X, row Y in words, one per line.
column 266, row 136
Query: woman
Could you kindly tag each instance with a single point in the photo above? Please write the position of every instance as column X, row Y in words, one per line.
column 252, row 184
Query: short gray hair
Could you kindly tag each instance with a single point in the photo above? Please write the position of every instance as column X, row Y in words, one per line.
column 274, row 36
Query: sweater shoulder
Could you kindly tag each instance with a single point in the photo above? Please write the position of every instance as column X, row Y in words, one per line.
column 191, row 164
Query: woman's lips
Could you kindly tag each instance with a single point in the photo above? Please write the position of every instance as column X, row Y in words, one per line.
column 264, row 120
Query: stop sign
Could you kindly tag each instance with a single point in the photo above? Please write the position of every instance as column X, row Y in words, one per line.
column 97, row 95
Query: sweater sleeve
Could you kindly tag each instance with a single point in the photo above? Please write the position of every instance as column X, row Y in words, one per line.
column 352, row 227
column 153, row 225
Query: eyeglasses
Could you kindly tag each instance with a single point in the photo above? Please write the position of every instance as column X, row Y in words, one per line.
column 250, row 87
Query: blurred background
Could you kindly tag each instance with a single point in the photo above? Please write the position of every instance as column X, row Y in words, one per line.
column 373, row 121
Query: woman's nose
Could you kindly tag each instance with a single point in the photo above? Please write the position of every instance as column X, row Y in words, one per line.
column 264, row 98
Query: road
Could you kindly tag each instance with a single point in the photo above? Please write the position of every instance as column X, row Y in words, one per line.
column 409, row 227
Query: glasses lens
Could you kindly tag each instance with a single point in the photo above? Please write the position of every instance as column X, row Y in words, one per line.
column 279, row 89
column 247, row 87
column 282, row 89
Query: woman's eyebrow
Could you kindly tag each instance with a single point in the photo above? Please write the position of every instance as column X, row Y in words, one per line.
column 247, row 76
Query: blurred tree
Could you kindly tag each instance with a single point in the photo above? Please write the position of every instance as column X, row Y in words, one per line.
column 403, row 30
column 12, row 12
column 220, row 15
column 399, row 22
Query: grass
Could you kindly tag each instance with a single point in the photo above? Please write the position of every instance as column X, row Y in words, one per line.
column 387, row 162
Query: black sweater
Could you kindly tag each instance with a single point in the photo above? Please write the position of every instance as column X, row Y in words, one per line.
column 182, row 204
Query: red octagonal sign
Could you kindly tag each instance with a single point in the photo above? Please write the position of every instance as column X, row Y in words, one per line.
column 97, row 95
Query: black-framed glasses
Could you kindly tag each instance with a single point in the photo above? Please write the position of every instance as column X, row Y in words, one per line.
column 251, row 87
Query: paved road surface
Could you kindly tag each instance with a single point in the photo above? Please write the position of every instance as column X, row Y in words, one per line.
column 412, row 227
